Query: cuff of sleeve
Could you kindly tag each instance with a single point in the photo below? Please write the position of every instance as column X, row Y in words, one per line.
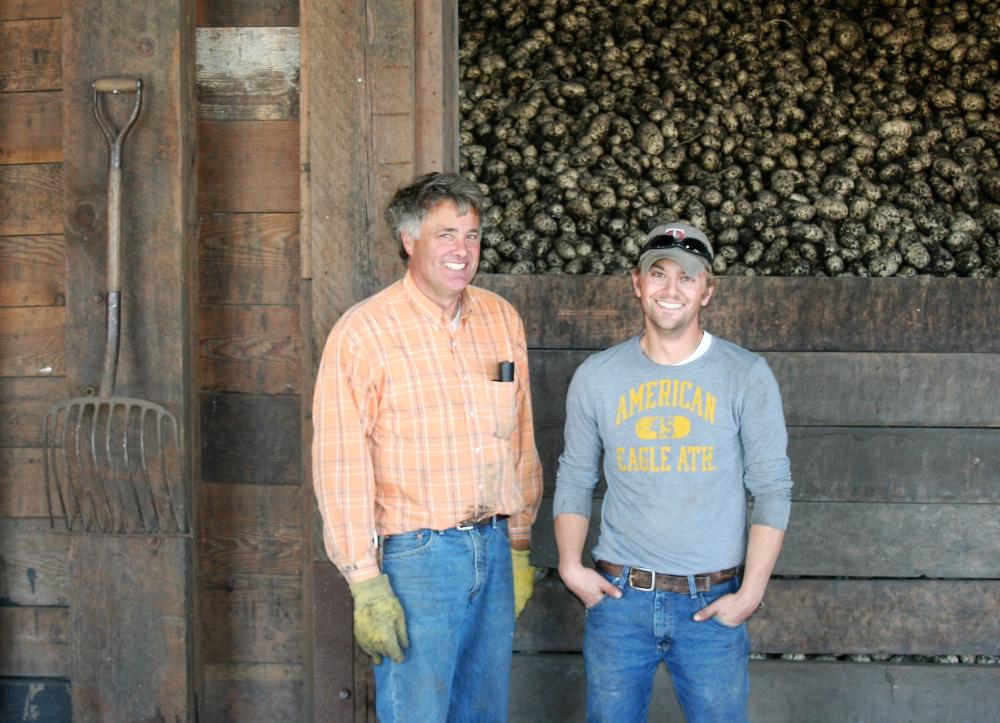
column 771, row 515
column 572, row 505
column 518, row 530
column 360, row 571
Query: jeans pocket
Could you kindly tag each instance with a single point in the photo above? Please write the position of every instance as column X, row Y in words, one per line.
column 409, row 544
column 616, row 581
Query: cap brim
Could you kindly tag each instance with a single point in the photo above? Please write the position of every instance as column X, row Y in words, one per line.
column 691, row 263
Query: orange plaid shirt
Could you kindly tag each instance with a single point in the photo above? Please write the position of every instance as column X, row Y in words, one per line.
column 410, row 429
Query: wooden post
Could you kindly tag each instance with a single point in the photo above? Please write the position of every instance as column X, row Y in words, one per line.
column 132, row 601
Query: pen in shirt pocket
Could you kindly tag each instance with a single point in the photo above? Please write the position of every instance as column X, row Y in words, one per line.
column 506, row 371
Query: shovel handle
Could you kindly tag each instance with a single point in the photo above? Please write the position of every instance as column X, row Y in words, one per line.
column 117, row 85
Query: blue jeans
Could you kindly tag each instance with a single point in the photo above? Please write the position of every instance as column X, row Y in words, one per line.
column 457, row 594
column 625, row 640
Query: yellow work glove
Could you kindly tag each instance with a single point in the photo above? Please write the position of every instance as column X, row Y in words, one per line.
column 524, row 580
column 379, row 626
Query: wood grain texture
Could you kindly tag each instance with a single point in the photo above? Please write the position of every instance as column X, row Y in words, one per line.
column 770, row 314
column 252, row 618
column 248, row 166
column 28, row 9
column 30, row 55
column 333, row 669
column 250, row 530
column 22, row 482
column 250, row 349
column 32, row 271
column 254, row 693
column 35, row 641
column 31, row 199
column 250, row 439
column 35, row 563
column 33, row 341
column 248, row 73
column 816, row 616
column 243, row 13
column 553, row 689
column 31, row 128
column 865, row 540
column 23, row 403
column 249, row 258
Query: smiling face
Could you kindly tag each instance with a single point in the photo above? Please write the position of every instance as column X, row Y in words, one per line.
column 671, row 300
column 445, row 256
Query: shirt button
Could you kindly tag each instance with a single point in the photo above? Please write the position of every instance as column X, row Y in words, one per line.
column 476, row 450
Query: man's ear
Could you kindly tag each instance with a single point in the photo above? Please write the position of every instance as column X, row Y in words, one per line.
column 635, row 283
column 407, row 240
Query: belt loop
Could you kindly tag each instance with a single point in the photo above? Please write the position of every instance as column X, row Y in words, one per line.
column 494, row 522
column 692, row 586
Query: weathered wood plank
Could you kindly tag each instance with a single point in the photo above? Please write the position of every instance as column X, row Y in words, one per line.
column 248, row 166
column 251, row 530
column 28, row 9
column 252, row 618
column 249, row 258
column 921, row 314
column 23, row 402
column 436, row 85
column 32, row 271
column 34, row 563
column 834, row 389
column 250, row 349
column 35, row 642
column 32, row 341
column 866, row 464
column 248, row 73
column 553, row 688
column 31, row 128
column 22, row 482
column 244, row 13
column 254, row 693
column 815, row 616
column 46, row 700
column 30, row 55
column 333, row 666
column 31, row 199
column 849, row 539
column 250, row 439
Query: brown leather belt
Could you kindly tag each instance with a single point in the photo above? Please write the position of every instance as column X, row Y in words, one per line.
column 492, row 521
column 648, row 580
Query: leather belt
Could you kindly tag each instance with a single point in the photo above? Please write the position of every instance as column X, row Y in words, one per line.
column 492, row 521
column 649, row 580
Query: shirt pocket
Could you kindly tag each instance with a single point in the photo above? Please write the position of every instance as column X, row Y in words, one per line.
column 503, row 398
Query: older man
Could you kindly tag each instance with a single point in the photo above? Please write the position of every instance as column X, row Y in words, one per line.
column 425, row 466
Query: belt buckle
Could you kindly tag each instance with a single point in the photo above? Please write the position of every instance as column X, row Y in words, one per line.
column 465, row 526
column 652, row 580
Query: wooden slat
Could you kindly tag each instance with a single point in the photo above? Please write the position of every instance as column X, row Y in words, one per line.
column 436, row 85
column 23, row 402
column 248, row 166
column 552, row 688
column 858, row 540
column 250, row 439
column 32, row 271
column 35, row 563
column 907, row 617
column 32, row 341
column 35, row 641
column 833, row 389
column 30, row 55
column 251, row 530
column 28, row 9
column 865, row 464
column 46, row 700
column 250, row 349
column 252, row 693
column 249, row 258
column 31, row 128
column 333, row 666
column 242, row 13
column 31, row 199
column 252, row 618
column 921, row 314
column 248, row 73
column 22, row 482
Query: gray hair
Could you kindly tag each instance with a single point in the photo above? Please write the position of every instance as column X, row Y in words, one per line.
column 412, row 203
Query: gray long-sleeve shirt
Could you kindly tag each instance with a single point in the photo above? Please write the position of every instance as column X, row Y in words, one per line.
column 680, row 444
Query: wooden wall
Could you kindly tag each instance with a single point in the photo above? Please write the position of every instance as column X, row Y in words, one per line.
column 34, row 617
column 894, row 542
column 256, row 630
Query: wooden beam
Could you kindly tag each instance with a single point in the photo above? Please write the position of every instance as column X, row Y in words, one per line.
column 254, row 693
column 31, row 199
column 32, row 341
column 32, row 271
column 141, row 586
column 31, row 128
column 246, row 13
column 436, row 86
column 35, row 569
column 250, row 349
column 30, row 55
column 35, row 641
column 22, row 482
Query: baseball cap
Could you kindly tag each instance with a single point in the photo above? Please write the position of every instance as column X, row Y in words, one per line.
column 680, row 242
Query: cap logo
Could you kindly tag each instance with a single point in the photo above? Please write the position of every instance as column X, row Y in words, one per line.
column 677, row 233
